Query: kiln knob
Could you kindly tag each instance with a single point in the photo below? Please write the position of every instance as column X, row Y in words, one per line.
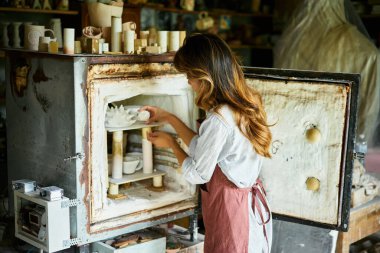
column 313, row 135
column 312, row 184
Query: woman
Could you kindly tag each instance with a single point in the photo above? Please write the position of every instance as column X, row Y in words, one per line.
column 226, row 156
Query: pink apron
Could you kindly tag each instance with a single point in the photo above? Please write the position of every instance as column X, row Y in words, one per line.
column 226, row 216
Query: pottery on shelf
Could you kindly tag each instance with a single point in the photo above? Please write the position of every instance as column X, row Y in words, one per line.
column 118, row 117
column 63, row 5
column 5, row 38
column 55, row 25
column 37, row 4
column 46, row 5
column 124, row 116
column 16, row 34
column 92, row 32
column 101, row 14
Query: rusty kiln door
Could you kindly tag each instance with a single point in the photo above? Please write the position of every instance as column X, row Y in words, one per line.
column 308, row 178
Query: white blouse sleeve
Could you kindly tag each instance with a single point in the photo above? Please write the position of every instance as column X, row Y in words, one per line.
column 204, row 150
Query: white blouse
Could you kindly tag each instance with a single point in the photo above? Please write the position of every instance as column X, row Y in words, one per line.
column 220, row 142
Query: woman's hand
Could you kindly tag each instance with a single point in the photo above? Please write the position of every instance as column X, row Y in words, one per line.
column 161, row 139
column 156, row 114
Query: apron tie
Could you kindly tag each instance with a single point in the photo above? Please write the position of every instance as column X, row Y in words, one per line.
column 258, row 195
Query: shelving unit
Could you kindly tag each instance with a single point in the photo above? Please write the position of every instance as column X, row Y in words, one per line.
column 114, row 183
column 39, row 11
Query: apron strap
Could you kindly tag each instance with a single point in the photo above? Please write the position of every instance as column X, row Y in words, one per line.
column 258, row 195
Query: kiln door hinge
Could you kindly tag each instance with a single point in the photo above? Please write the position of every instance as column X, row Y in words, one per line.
column 76, row 156
column 71, row 242
column 358, row 155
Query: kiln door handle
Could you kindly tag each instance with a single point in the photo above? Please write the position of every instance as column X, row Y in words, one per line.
column 76, row 156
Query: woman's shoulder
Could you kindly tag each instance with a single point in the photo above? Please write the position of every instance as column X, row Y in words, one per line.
column 224, row 115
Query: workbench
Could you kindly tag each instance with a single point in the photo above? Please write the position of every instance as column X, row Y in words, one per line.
column 364, row 221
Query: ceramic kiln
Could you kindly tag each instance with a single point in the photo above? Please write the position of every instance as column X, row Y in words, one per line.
column 56, row 107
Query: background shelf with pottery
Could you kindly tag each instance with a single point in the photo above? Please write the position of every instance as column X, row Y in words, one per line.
column 39, row 11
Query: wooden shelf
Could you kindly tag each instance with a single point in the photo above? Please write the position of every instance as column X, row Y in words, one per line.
column 11, row 9
column 210, row 12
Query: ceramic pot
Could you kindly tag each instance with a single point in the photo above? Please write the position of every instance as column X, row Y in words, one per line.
column 101, row 14
column 55, row 25
column 204, row 22
column 187, row 5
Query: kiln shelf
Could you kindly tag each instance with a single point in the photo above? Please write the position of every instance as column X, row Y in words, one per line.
column 137, row 176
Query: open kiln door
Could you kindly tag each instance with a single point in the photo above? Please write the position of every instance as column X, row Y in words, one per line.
column 308, row 178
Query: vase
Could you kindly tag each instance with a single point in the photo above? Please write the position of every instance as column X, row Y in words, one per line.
column 5, row 39
column 46, row 5
column 37, row 4
column 55, row 25
column 16, row 35
column 22, row 32
column 63, row 5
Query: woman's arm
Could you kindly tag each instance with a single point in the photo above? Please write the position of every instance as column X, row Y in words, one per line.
column 160, row 115
column 204, row 150
column 165, row 140
column 184, row 132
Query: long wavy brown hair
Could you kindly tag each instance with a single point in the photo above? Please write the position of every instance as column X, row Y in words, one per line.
column 208, row 58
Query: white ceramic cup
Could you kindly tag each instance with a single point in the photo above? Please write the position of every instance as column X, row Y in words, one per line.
column 68, row 40
column 32, row 35
column 173, row 41
column 116, row 32
column 129, row 42
column 131, row 164
column 106, row 47
column 163, row 41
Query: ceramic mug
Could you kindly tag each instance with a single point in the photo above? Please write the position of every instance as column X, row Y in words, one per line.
column 32, row 34
column 131, row 164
